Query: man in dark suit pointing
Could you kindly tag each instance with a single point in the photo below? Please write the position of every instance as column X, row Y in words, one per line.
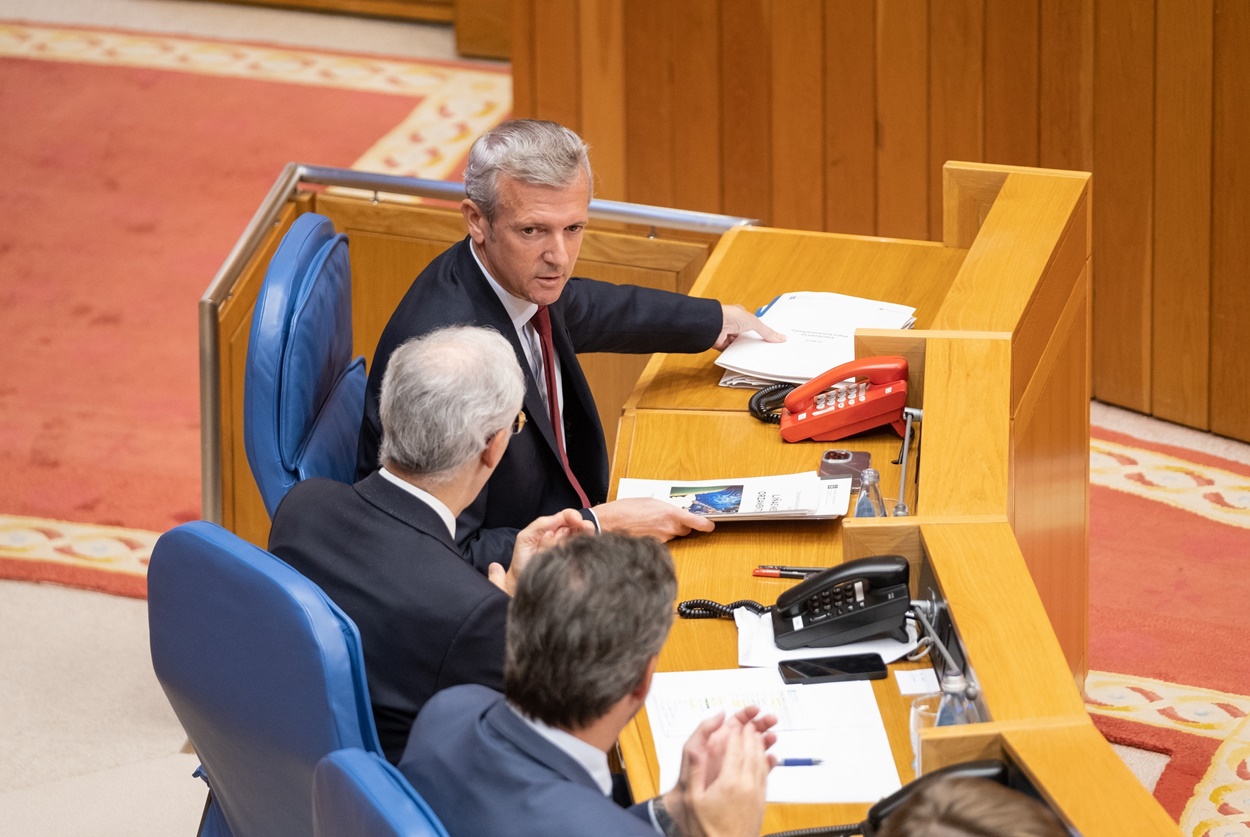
column 528, row 186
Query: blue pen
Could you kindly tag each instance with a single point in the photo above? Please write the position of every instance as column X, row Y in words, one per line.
column 799, row 762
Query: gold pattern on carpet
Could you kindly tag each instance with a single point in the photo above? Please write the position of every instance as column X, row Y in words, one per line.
column 1221, row 800
column 456, row 103
column 1214, row 493
column 109, row 548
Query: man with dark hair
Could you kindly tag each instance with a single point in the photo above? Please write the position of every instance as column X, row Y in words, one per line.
column 528, row 186
column 584, row 634
column 384, row 549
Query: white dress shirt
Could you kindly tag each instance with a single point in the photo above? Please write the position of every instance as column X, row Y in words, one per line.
column 425, row 497
column 520, row 311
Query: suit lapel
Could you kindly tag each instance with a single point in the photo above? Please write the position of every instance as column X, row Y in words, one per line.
column 505, row 722
column 376, row 490
column 494, row 315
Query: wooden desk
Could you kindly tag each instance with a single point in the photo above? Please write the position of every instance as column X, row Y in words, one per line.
column 1002, row 312
column 1001, row 501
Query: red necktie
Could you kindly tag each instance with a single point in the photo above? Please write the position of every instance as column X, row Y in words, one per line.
column 542, row 324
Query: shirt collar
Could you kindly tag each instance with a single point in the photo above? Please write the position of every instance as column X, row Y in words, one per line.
column 425, row 497
column 519, row 310
column 593, row 760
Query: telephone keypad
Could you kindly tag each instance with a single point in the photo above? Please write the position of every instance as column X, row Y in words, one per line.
column 836, row 601
column 842, row 395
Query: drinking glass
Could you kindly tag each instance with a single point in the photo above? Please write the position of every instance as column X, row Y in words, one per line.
column 924, row 711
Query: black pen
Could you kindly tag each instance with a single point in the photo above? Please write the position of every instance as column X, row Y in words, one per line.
column 783, row 568
column 761, row 572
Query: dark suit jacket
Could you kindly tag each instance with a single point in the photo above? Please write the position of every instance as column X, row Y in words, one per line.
column 590, row 316
column 427, row 619
column 484, row 771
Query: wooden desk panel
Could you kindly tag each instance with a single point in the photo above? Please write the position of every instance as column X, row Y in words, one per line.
column 1074, row 767
column 1001, row 620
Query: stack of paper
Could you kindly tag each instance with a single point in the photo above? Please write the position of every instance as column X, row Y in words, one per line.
column 820, row 334
column 780, row 497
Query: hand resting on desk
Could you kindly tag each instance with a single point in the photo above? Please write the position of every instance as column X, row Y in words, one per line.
column 640, row 516
column 542, row 533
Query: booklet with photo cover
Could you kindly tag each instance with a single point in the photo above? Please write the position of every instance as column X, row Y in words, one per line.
column 779, row 497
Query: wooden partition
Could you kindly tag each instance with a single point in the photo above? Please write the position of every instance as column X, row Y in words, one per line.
column 389, row 244
column 999, row 504
column 1002, row 307
column 837, row 114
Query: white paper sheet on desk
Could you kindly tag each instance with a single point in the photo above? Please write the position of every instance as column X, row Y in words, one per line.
column 820, row 334
column 757, row 648
column 836, row 722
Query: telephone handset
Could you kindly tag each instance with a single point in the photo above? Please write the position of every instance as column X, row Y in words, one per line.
column 856, row 600
column 847, row 399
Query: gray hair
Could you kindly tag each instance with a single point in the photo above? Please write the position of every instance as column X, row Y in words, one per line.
column 444, row 395
column 532, row 151
column 587, row 616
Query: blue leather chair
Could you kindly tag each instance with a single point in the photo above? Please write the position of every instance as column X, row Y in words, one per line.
column 303, row 394
column 264, row 672
column 357, row 793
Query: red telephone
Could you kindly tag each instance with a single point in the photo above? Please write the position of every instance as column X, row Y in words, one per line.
column 847, row 399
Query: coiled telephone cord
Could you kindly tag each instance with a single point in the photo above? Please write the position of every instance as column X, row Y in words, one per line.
column 765, row 403
column 708, row 609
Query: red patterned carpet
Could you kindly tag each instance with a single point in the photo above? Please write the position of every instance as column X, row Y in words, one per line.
column 1169, row 544
column 132, row 164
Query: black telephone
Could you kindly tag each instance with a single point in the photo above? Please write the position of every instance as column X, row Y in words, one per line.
column 853, row 601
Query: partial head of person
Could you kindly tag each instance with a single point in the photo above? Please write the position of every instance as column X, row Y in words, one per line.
column 969, row 807
column 585, row 629
column 449, row 398
column 528, row 185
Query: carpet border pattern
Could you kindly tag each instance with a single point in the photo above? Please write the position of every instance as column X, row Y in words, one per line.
column 1215, row 493
column 1220, row 802
column 455, row 102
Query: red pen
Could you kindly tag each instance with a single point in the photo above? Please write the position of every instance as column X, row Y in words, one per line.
column 764, row 573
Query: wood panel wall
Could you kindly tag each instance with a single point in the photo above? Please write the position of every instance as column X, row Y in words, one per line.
column 837, row 115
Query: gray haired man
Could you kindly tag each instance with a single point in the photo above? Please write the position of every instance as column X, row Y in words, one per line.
column 528, row 186
column 385, row 549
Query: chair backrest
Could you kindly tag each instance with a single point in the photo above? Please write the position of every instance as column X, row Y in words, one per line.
column 264, row 672
column 303, row 394
column 357, row 793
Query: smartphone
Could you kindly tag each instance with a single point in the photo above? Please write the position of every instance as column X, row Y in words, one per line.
column 837, row 463
column 832, row 669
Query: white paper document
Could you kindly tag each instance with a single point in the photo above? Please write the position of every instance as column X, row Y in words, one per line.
column 919, row 681
column 756, row 647
column 820, row 334
column 779, row 497
column 838, row 723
